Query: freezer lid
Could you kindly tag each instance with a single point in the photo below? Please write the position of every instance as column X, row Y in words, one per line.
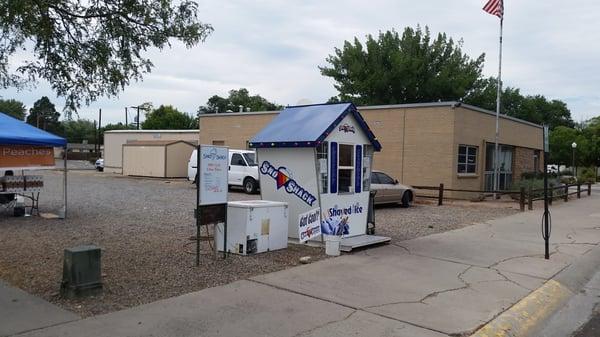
column 256, row 203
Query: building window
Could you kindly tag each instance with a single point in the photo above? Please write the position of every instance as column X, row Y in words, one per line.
column 467, row 159
column 345, row 168
column 536, row 161
column 322, row 156
column 218, row 142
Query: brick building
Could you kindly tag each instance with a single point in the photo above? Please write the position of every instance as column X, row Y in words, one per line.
column 423, row 144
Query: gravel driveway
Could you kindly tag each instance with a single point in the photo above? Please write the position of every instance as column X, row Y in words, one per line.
column 144, row 228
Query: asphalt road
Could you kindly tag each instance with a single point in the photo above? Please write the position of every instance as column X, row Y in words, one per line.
column 592, row 327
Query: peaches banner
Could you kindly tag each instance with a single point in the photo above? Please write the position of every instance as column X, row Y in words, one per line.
column 26, row 156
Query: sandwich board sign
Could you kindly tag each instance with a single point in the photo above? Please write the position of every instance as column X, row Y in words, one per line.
column 212, row 187
column 213, row 175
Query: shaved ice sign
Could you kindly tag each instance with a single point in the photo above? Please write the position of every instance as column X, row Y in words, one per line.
column 283, row 179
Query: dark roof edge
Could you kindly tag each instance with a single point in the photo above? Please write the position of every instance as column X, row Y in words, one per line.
column 396, row 106
column 451, row 104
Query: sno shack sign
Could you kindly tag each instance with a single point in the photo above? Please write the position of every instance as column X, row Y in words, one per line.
column 283, row 179
column 17, row 156
column 309, row 225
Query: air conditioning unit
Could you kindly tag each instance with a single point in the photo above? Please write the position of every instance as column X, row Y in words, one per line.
column 254, row 226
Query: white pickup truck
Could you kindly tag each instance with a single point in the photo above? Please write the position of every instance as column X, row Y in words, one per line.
column 243, row 169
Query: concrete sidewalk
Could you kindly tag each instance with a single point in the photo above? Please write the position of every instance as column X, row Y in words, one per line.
column 445, row 284
column 20, row 312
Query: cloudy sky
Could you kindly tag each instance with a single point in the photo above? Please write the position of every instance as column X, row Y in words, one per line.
column 273, row 48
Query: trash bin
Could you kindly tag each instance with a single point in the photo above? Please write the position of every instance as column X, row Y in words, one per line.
column 371, row 214
column 332, row 244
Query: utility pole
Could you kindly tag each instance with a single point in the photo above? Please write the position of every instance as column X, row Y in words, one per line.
column 126, row 123
column 138, row 114
column 99, row 127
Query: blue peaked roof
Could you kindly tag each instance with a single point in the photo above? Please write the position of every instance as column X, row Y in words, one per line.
column 16, row 132
column 308, row 126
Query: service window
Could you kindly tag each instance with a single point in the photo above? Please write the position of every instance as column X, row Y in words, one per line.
column 322, row 167
column 237, row 160
column 467, row 159
column 366, row 167
column 345, row 168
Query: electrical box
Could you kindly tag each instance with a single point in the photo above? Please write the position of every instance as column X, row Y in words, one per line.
column 81, row 272
column 254, row 226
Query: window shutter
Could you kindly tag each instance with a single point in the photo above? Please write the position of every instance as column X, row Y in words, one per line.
column 333, row 155
column 358, row 169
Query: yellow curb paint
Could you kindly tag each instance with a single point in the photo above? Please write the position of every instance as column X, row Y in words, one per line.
column 522, row 318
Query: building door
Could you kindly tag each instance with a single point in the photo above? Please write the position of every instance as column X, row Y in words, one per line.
column 505, row 161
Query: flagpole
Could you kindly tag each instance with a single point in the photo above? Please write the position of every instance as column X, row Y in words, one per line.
column 498, row 98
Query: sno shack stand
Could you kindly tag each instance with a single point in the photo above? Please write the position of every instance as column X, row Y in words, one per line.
column 318, row 158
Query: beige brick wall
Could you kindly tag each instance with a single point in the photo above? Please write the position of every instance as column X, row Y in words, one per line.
column 476, row 128
column 234, row 130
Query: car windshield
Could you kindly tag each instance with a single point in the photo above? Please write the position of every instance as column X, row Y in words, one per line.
column 250, row 159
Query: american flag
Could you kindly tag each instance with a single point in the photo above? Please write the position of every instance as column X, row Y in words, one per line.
column 495, row 7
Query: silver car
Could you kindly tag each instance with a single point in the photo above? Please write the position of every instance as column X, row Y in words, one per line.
column 390, row 191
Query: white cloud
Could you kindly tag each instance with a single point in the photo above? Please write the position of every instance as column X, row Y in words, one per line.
column 274, row 48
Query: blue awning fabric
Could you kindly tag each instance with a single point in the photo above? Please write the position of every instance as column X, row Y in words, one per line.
column 16, row 132
column 308, row 126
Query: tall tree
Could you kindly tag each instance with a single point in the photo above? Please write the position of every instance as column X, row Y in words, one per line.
column 237, row 98
column 392, row 69
column 78, row 131
column 536, row 109
column 13, row 108
column 88, row 49
column 168, row 117
column 43, row 115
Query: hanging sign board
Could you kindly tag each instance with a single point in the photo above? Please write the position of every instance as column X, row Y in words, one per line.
column 23, row 156
column 309, row 225
column 546, row 140
column 213, row 174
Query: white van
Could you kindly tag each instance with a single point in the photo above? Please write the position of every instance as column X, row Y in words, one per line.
column 243, row 169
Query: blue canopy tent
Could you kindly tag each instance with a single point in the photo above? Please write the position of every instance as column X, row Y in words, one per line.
column 17, row 132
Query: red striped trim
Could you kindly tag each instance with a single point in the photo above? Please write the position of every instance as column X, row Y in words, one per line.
column 495, row 7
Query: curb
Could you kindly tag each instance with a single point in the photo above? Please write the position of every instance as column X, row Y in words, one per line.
column 527, row 316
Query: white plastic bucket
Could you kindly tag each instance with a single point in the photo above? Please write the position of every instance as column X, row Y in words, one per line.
column 332, row 245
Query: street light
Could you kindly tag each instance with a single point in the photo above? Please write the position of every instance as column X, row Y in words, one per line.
column 574, row 146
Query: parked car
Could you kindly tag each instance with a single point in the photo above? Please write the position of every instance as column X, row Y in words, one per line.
column 243, row 169
column 390, row 191
column 99, row 164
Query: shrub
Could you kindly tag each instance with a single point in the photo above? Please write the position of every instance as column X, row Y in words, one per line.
column 587, row 175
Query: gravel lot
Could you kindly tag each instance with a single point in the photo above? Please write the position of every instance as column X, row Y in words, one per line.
column 144, row 228
column 424, row 219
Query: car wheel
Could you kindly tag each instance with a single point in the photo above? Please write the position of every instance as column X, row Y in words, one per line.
column 250, row 185
column 100, row 169
column 406, row 197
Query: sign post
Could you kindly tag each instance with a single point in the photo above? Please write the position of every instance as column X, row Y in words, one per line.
column 212, row 187
column 546, row 226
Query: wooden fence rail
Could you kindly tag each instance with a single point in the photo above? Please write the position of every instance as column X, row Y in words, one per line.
column 525, row 196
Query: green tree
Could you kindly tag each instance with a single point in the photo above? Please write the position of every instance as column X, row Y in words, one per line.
column 237, row 98
column 13, row 108
column 392, row 69
column 536, row 109
column 561, row 138
column 168, row 117
column 78, row 131
column 88, row 49
column 43, row 115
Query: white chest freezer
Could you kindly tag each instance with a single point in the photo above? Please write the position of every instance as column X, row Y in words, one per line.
column 254, row 226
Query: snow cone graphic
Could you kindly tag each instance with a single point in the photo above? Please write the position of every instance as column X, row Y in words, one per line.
column 283, row 176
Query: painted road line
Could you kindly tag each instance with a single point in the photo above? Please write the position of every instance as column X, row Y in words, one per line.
column 523, row 318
